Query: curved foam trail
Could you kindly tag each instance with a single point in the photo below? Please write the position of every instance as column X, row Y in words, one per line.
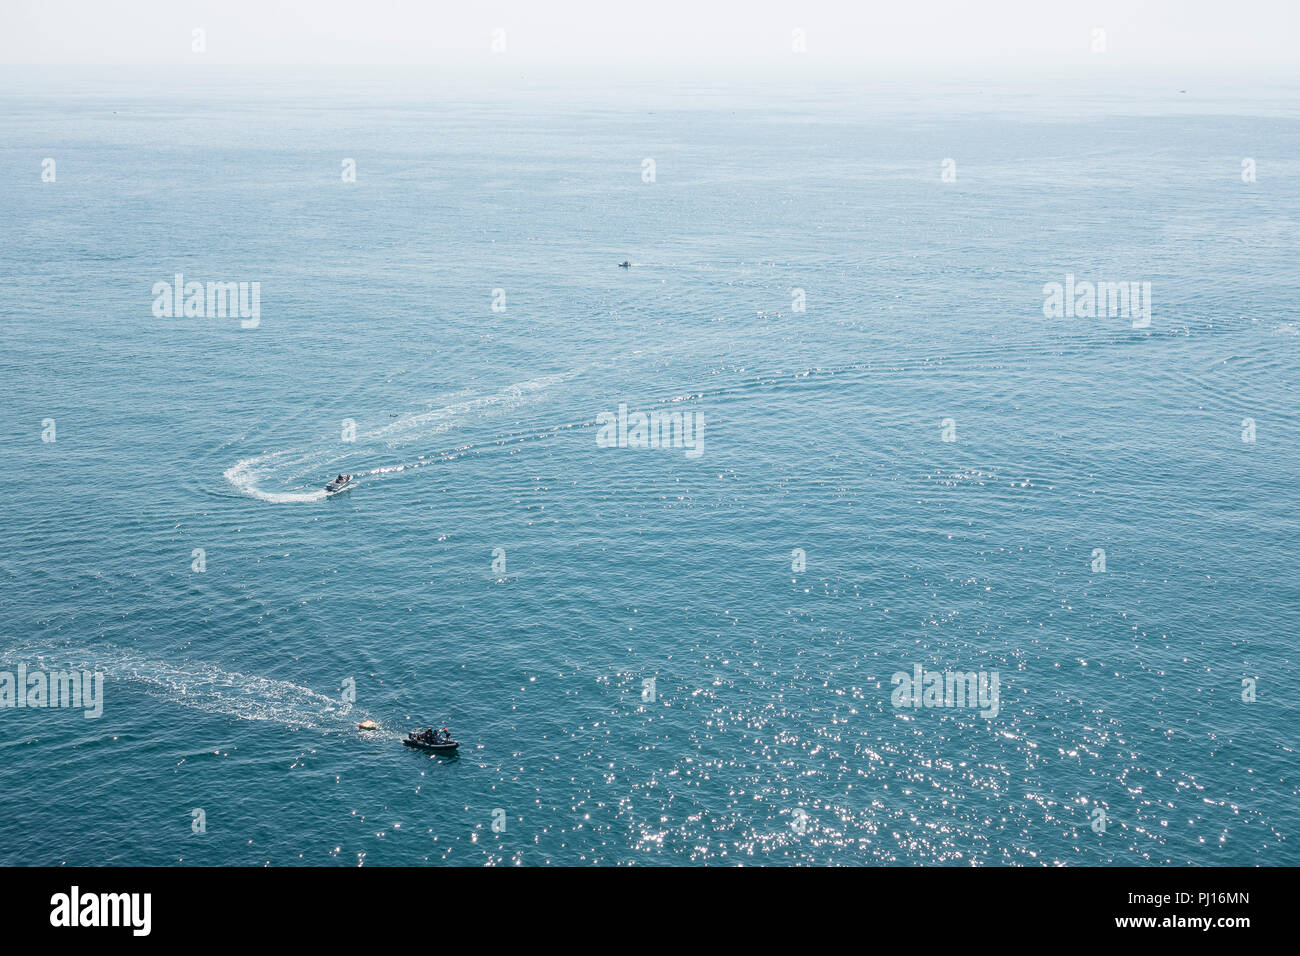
column 243, row 476
column 250, row 475
column 207, row 687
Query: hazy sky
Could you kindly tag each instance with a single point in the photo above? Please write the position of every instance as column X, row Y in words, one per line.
column 1181, row 32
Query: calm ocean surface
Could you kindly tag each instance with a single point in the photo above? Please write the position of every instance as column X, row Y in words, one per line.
column 771, row 736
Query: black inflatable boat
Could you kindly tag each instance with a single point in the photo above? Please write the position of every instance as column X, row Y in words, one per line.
column 432, row 743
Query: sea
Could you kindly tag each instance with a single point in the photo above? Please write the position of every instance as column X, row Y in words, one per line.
column 880, row 453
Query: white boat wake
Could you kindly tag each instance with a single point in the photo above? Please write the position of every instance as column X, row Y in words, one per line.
column 203, row 686
column 266, row 476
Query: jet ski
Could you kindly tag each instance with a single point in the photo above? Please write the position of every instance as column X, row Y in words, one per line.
column 625, row 265
column 338, row 484
column 432, row 741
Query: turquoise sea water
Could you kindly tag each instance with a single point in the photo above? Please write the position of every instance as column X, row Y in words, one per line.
column 476, row 431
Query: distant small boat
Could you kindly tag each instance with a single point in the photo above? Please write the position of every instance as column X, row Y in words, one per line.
column 338, row 484
column 368, row 725
column 625, row 264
